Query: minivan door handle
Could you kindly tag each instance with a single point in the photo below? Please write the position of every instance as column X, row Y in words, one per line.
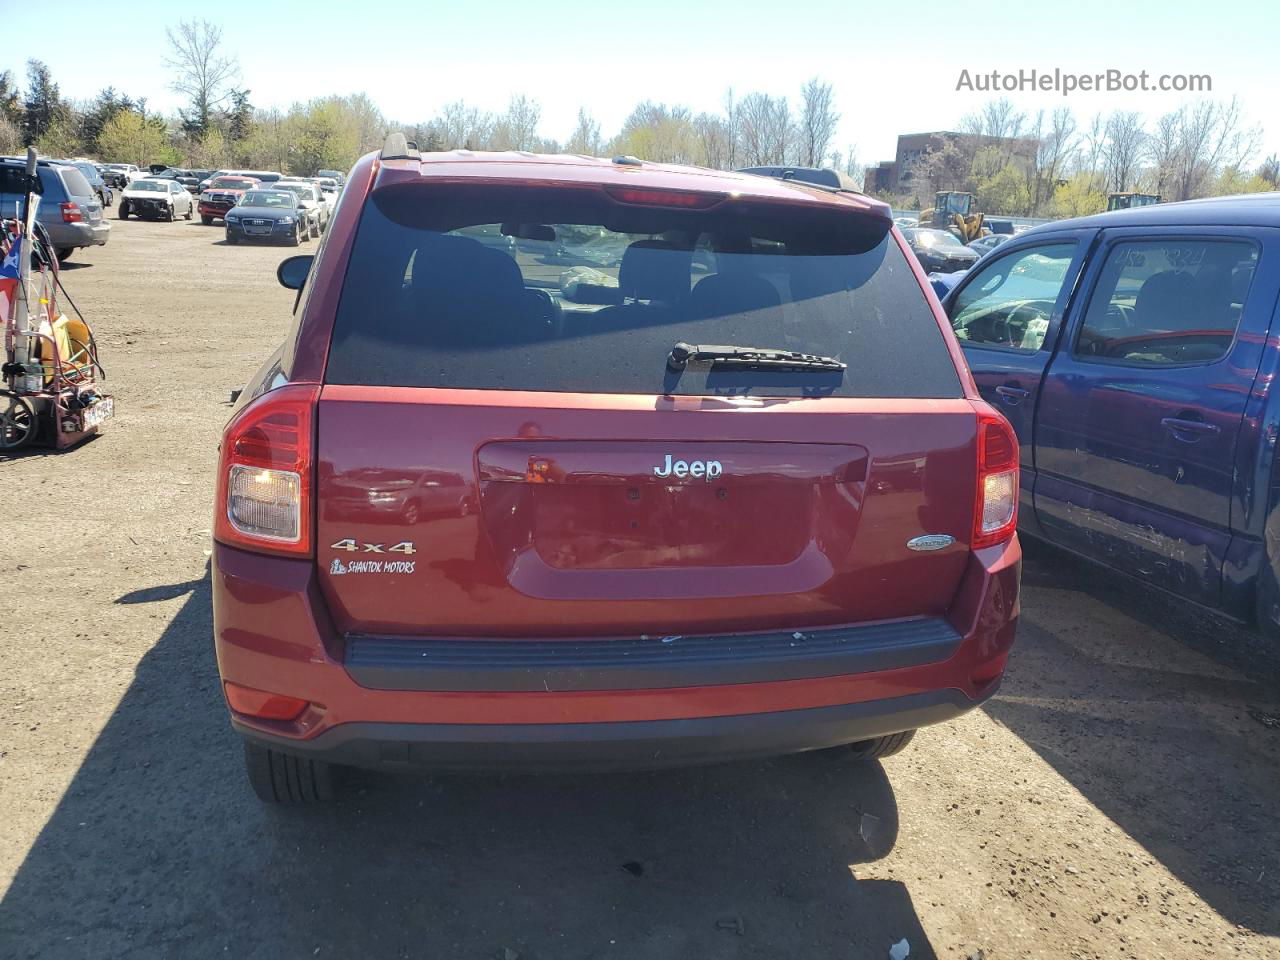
column 1189, row 431
column 1011, row 394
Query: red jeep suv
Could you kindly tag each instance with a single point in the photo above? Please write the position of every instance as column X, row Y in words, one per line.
column 688, row 467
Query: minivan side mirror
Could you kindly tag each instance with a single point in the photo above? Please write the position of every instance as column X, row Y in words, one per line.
column 292, row 272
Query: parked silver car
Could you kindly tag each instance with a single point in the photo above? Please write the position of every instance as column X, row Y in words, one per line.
column 69, row 208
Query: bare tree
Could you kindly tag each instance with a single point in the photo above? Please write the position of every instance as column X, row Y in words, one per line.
column 517, row 129
column 818, row 120
column 1270, row 171
column 755, row 117
column 201, row 72
column 732, row 119
column 997, row 124
column 1053, row 154
column 782, row 134
column 714, row 139
column 1162, row 149
column 1122, row 149
column 10, row 135
column 585, row 138
column 1197, row 142
column 460, row 126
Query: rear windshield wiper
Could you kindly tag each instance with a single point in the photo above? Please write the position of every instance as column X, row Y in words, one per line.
column 755, row 358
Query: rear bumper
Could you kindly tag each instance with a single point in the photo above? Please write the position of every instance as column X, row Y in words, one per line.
column 616, row 746
column 78, row 234
column 272, row 632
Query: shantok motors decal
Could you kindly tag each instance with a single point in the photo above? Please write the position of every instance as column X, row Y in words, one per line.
column 384, row 566
column 338, row 568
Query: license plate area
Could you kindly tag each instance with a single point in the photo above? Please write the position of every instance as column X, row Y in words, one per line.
column 98, row 414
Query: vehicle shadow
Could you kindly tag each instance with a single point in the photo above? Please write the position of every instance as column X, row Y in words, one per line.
column 41, row 449
column 158, row 849
column 1149, row 717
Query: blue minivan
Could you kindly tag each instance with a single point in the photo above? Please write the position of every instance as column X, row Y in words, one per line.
column 1136, row 354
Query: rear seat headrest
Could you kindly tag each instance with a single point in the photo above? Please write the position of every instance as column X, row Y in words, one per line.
column 656, row 270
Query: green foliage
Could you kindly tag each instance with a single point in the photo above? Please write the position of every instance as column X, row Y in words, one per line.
column 1004, row 191
column 1233, row 180
column 105, row 106
column 59, row 139
column 128, row 137
column 1079, row 197
column 326, row 137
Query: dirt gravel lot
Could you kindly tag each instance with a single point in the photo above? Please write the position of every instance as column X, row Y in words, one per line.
column 1117, row 799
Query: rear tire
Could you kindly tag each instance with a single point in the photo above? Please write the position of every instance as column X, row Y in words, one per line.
column 190, row 211
column 1268, row 602
column 282, row 778
column 123, row 212
column 64, row 253
column 877, row 748
column 207, row 221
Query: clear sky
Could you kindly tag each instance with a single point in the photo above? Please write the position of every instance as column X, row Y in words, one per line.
column 894, row 65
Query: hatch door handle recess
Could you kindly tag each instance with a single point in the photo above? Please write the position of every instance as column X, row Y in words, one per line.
column 1012, row 394
column 1187, row 430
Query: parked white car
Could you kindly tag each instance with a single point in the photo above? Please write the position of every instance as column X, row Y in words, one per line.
column 318, row 210
column 156, row 199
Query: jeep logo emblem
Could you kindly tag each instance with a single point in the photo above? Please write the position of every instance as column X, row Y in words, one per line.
column 709, row 469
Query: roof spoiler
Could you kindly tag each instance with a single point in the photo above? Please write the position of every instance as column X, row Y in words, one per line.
column 396, row 147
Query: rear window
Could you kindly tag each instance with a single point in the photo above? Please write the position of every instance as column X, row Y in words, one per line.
column 77, row 185
column 507, row 288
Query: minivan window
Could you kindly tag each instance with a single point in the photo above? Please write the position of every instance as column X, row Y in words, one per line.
column 550, row 289
column 1165, row 302
column 1009, row 301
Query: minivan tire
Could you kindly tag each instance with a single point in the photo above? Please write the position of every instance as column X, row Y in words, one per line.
column 64, row 253
column 877, row 748
column 282, row 778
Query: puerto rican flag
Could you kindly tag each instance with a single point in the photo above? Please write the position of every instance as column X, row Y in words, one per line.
column 12, row 248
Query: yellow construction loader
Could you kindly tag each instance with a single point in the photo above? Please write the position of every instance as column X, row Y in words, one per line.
column 956, row 212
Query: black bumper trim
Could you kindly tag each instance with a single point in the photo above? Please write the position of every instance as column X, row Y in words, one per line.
column 643, row 663
column 617, row 746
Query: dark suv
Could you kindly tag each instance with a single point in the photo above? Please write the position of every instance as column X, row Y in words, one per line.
column 69, row 208
column 730, row 491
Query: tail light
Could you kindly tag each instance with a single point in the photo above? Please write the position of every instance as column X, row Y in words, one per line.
column 265, row 473
column 995, row 515
column 71, row 212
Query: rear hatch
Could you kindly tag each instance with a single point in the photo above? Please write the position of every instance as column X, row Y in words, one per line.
column 504, row 449
column 80, row 192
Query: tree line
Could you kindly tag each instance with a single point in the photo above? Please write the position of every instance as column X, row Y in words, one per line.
column 1054, row 165
column 1031, row 164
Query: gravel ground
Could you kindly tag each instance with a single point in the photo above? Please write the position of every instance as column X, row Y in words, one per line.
column 1115, row 800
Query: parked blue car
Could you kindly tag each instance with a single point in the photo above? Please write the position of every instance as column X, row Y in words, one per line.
column 1136, row 354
